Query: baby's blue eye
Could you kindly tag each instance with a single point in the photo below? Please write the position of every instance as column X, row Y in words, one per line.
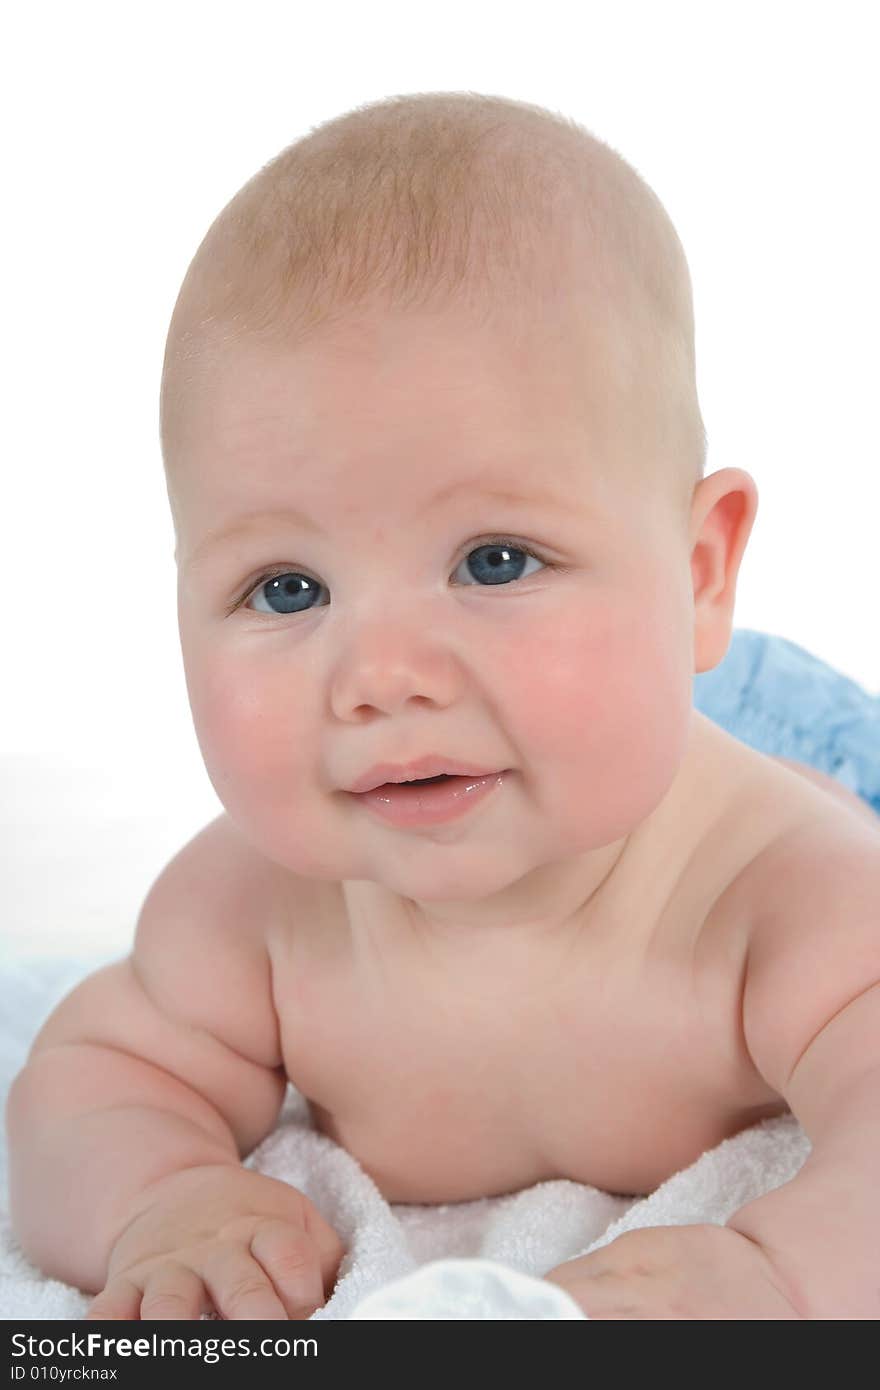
column 497, row 563
column 289, row 591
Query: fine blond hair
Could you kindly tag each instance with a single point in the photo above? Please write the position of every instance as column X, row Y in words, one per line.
column 438, row 198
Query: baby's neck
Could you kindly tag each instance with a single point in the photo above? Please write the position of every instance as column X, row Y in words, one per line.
column 622, row 888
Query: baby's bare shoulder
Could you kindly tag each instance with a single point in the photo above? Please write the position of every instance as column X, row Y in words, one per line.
column 814, row 933
column 201, row 939
column 222, row 885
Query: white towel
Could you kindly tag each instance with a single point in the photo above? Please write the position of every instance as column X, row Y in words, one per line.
column 465, row 1260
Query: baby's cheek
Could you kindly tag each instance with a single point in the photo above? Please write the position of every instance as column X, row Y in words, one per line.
column 247, row 731
column 261, row 762
column 231, row 722
column 605, row 708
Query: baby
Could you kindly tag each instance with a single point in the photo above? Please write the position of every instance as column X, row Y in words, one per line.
column 487, row 889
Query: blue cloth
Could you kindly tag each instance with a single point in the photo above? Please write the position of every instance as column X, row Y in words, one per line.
column 779, row 699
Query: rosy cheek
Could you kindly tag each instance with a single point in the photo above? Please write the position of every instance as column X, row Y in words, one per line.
column 566, row 682
column 246, row 728
column 259, row 757
column 602, row 706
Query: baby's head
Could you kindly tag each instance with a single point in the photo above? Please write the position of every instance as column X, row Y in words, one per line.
column 436, row 334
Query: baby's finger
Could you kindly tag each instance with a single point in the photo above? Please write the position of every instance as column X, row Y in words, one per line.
column 291, row 1261
column 171, row 1291
column 239, row 1287
column 328, row 1245
column 120, row 1301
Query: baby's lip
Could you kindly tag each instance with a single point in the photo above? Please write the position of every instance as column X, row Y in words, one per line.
column 432, row 765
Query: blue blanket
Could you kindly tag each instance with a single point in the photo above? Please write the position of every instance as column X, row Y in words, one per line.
column 780, row 699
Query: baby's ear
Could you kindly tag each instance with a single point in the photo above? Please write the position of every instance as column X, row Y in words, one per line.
column 722, row 515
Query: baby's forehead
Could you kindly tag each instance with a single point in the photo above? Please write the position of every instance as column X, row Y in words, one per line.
column 384, row 406
column 301, row 505
column 280, row 499
column 366, row 431
column 416, row 381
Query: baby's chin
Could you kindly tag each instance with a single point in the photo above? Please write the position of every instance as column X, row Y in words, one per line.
column 429, row 871
column 495, row 879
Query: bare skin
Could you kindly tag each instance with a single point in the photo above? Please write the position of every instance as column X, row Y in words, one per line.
column 455, row 1115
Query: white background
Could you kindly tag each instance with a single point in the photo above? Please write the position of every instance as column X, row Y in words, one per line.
column 128, row 128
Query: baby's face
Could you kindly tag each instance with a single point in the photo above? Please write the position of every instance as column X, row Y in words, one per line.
column 378, row 467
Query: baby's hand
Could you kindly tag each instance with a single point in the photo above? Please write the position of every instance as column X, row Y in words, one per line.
column 220, row 1238
column 663, row 1273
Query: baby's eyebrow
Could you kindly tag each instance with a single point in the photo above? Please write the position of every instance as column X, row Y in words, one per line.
column 292, row 516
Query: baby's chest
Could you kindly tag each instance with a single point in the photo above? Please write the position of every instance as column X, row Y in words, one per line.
column 615, row 1082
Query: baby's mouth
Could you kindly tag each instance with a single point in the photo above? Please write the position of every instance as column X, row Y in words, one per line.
column 423, row 781
column 429, row 801
column 420, row 783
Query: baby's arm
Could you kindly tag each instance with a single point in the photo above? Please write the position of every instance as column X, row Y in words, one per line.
column 811, row 1022
column 142, row 1092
